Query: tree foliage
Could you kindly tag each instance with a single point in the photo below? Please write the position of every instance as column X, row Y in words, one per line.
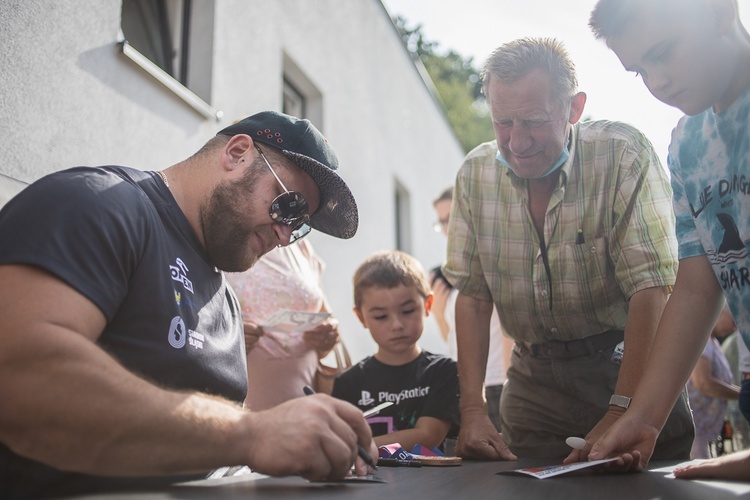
column 458, row 83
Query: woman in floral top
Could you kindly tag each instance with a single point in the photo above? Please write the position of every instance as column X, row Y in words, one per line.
column 280, row 364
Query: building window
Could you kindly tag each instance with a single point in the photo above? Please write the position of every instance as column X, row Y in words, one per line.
column 173, row 39
column 294, row 101
column 402, row 210
column 155, row 28
column 300, row 96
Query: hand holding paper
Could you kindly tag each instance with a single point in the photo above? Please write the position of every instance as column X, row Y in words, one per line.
column 323, row 336
column 283, row 331
column 288, row 321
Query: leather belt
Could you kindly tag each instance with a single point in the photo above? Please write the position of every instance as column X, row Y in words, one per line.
column 574, row 348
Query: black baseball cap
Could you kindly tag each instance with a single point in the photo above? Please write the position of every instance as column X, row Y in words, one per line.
column 304, row 144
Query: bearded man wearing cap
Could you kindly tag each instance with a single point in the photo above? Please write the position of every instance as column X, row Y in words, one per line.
column 122, row 344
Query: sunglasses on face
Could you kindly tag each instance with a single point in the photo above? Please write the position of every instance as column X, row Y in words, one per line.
column 289, row 208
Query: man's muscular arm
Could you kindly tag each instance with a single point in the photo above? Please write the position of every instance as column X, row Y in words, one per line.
column 68, row 404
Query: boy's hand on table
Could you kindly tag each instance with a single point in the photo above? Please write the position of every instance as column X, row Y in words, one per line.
column 734, row 467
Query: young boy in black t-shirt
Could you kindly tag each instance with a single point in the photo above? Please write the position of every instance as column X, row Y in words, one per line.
column 391, row 298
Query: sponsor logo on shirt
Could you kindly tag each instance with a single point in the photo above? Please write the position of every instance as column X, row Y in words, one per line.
column 196, row 339
column 397, row 397
column 366, row 399
column 179, row 335
column 179, row 274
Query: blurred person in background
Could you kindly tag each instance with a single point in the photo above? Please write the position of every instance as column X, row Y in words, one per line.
column 710, row 387
column 444, row 309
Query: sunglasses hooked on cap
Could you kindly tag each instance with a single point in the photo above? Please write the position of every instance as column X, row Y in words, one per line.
column 302, row 143
column 289, row 208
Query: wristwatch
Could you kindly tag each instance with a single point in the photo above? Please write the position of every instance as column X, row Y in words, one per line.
column 621, row 401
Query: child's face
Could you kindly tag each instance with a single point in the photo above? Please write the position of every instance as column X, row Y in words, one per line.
column 683, row 58
column 394, row 317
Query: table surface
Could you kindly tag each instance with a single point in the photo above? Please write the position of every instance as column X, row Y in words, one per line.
column 470, row 480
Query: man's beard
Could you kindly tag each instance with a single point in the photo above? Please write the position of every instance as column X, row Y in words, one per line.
column 225, row 226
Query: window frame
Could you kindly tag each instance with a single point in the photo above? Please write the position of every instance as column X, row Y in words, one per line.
column 174, row 21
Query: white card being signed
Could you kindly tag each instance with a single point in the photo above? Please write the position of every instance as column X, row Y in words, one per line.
column 287, row 321
column 556, row 470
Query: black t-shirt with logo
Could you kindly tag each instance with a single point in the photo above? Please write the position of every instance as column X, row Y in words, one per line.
column 118, row 237
column 424, row 387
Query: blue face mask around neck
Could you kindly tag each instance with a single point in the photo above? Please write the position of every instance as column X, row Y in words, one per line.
column 564, row 155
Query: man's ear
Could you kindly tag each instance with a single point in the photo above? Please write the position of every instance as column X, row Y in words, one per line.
column 577, row 103
column 360, row 317
column 235, row 151
column 428, row 304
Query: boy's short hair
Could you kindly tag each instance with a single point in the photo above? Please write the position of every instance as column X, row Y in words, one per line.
column 389, row 269
column 512, row 61
column 609, row 17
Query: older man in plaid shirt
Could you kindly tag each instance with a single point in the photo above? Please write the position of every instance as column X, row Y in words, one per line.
column 567, row 227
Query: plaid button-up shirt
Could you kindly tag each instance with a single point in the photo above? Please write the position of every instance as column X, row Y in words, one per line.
column 608, row 231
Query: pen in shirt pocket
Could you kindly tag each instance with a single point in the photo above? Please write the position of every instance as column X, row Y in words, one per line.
column 580, row 240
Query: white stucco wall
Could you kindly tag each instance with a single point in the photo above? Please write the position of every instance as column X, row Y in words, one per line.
column 69, row 97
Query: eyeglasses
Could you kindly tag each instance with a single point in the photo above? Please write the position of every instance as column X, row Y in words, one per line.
column 441, row 225
column 289, row 208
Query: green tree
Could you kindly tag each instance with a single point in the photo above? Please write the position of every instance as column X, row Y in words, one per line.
column 458, row 83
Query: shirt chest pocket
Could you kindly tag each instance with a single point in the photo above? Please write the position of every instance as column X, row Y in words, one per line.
column 584, row 276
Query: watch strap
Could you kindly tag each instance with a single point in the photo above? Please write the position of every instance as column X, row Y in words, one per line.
column 621, row 401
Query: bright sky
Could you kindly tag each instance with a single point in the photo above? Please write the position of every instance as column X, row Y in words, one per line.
column 474, row 28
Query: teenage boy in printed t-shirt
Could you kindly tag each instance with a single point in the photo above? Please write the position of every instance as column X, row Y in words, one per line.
column 693, row 55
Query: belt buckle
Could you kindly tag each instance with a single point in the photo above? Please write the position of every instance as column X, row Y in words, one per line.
column 553, row 349
column 537, row 350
